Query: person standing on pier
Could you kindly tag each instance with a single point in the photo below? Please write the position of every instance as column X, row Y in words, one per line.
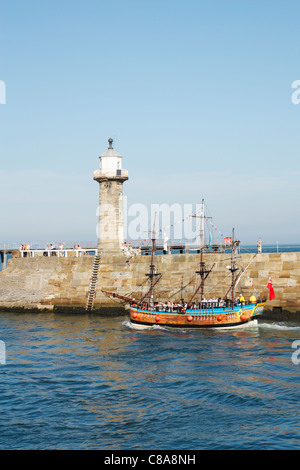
column 259, row 246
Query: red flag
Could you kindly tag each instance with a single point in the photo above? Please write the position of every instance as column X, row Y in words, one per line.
column 270, row 287
column 228, row 240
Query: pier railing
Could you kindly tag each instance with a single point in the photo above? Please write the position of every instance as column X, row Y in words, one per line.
column 87, row 245
column 173, row 246
column 58, row 252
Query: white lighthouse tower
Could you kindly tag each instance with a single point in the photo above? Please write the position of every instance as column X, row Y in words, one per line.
column 110, row 177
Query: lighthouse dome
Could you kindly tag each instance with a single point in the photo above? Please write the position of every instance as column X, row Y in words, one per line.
column 110, row 160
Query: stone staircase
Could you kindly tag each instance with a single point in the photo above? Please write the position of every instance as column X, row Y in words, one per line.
column 93, row 284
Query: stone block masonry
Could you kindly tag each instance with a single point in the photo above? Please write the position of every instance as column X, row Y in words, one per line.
column 62, row 283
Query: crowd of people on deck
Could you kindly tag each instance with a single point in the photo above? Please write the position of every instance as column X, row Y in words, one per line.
column 211, row 303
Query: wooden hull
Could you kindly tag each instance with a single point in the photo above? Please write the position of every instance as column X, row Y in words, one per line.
column 196, row 318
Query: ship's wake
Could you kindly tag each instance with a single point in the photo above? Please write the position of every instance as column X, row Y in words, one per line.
column 135, row 326
column 251, row 324
column 279, row 326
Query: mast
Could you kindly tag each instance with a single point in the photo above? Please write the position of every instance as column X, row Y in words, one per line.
column 152, row 271
column 152, row 274
column 233, row 267
column 202, row 225
column 203, row 272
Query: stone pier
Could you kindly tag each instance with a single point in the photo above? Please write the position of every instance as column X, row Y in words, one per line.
column 54, row 283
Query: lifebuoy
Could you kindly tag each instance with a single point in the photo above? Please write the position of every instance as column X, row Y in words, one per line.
column 190, row 318
column 157, row 318
column 219, row 318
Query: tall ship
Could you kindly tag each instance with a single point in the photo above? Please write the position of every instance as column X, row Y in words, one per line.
column 222, row 312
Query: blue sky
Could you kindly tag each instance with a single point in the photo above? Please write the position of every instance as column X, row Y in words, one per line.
column 196, row 94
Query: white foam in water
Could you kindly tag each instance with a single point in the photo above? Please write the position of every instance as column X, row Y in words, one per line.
column 135, row 326
column 278, row 326
column 251, row 324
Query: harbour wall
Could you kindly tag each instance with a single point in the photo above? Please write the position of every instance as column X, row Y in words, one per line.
column 61, row 284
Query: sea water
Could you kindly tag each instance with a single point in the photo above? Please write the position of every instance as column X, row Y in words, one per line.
column 8, row 258
column 93, row 382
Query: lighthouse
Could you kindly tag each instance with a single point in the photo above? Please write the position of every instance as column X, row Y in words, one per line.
column 110, row 177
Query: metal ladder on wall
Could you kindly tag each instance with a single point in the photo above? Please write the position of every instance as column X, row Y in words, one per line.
column 93, row 284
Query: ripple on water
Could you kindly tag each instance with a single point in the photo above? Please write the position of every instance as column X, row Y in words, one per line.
column 92, row 382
